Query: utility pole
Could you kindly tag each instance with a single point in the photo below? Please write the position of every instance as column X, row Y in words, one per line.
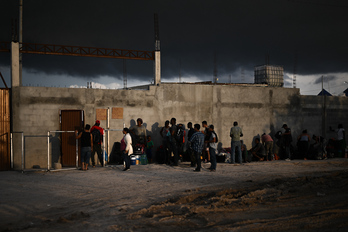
column 242, row 75
column 157, row 53
column 323, row 127
column 124, row 74
column 295, row 71
column 179, row 70
column 20, row 39
column 215, row 78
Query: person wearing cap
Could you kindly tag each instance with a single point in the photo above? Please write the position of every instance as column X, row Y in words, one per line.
column 235, row 134
column 97, row 144
column 212, row 143
column 139, row 131
column 287, row 139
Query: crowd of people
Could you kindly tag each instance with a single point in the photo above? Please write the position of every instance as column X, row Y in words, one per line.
column 202, row 145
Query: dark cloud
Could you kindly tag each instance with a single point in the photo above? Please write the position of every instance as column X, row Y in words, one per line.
column 240, row 32
column 326, row 79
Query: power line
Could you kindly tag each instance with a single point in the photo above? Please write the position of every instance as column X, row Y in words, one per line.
column 318, row 3
column 318, row 89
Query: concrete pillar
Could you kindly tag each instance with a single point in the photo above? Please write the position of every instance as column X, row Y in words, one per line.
column 15, row 66
column 157, row 67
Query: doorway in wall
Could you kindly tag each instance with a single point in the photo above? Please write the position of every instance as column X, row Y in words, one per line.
column 5, row 160
column 70, row 120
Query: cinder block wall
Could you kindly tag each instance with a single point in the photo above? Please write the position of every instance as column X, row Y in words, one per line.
column 35, row 111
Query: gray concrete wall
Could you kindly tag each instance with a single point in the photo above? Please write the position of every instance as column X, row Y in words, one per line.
column 35, row 111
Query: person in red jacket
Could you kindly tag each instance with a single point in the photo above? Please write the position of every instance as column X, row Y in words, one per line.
column 97, row 133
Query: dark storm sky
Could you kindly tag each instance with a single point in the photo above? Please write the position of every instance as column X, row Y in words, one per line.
column 241, row 32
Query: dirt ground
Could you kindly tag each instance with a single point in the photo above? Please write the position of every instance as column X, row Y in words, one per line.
column 260, row 196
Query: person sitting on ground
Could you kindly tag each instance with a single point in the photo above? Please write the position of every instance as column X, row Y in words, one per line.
column 258, row 151
column 244, row 151
column 303, row 141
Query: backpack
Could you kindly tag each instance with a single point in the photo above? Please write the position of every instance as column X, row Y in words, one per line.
column 180, row 135
column 96, row 135
column 278, row 135
column 216, row 137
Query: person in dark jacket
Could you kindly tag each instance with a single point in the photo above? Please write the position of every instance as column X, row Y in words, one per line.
column 86, row 146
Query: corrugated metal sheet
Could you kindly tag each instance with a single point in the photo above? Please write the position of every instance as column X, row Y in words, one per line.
column 71, row 120
column 5, row 130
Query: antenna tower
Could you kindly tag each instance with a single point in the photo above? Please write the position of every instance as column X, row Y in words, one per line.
column 295, row 71
column 267, row 58
column 215, row 78
column 124, row 74
column 179, row 70
column 157, row 37
column 242, row 75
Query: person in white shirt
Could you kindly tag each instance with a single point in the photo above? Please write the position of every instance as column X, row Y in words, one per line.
column 127, row 139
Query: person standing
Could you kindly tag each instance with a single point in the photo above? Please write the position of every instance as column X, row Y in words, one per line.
column 303, row 141
column 128, row 150
column 197, row 144
column 165, row 142
column 212, row 147
column 189, row 148
column 341, row 140
column 97, row 133
column 86, row 146
column 267, row 142
column 287, row 140
column 149, row 146
column 235, row 134
column 205, row 131
column 139, row 131
column 173, row 141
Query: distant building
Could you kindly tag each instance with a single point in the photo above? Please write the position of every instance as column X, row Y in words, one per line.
column 270, row 75
column 345, row 92
column 324, row 93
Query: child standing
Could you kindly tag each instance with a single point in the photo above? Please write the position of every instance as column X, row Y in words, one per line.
column 149, row 149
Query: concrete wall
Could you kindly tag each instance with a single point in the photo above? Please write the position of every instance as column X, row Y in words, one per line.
column 35, row 111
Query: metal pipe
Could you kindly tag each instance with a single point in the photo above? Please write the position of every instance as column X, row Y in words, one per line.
column 77, row 153
column 11, row 139
column 22, row 152
column 103, row 151
column 63, row 131
column 48, row 151
column 108, row 131
column 20, row 39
